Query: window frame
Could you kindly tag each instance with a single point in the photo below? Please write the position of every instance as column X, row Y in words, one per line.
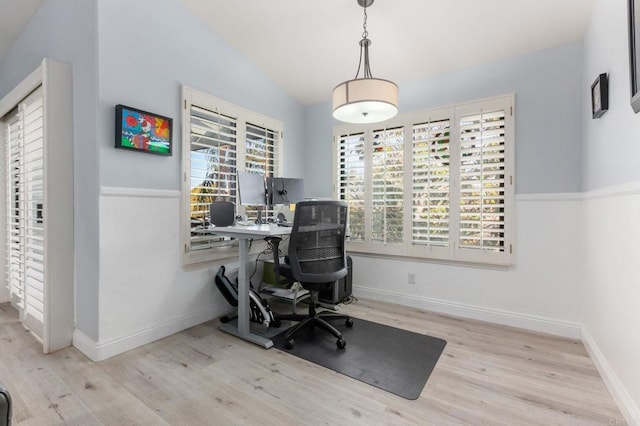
column 243, row 116
column 452, row 252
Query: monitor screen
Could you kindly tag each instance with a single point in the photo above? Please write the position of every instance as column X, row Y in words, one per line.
column 251, row 189
column 286, row 190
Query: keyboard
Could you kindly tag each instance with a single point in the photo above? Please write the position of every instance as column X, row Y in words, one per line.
column 285, row 224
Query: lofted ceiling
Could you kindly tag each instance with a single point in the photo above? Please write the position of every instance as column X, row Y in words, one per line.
column 14, row 15
column 307, row 47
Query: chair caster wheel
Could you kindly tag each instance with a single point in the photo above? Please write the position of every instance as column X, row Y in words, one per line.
column 225, row 319
column 276, row 324
column 349, row 322
column 289, row 344
column 341, row 343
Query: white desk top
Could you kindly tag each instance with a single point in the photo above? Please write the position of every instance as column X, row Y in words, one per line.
column 266, row 230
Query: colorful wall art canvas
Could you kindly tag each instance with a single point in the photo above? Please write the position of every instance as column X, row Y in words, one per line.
column 142, row 131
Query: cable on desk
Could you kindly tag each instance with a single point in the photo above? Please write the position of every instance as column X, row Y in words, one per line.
column 255, row 269
column 268, row 250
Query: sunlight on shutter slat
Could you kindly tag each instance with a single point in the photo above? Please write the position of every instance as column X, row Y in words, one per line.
column 430, row 206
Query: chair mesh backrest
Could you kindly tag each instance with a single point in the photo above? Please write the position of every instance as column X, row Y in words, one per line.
column 317, row 242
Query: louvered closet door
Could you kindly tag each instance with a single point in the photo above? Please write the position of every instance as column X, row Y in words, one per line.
column 15, row 228
column 25, row 210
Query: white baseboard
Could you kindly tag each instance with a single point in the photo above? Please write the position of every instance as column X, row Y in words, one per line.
column 99, row 351
column 513, row 319
column 629, row 409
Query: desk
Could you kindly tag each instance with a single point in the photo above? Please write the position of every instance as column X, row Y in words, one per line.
column 244, row 234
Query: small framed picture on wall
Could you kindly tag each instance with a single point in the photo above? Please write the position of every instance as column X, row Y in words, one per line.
column 600, row 96
column 143, row 131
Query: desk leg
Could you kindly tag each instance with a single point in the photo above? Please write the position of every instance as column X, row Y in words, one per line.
column 243, row 289
column 243, row 330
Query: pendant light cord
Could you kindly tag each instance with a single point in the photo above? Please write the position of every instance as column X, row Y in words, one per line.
column 364, row 46
column 364, row 25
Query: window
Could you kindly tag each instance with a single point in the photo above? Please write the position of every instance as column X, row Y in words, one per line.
column 433, row 184
column 220, row 139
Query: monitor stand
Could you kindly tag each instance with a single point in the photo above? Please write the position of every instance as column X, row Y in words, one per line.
column 260, row 220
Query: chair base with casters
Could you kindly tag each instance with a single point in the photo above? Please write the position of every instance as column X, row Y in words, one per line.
column 317, row 259
column 317, row 319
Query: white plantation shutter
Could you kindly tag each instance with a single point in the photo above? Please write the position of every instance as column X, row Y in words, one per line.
column 456, row 200
column 387, row 182
column 15, row 230
column 260, row 146
column 213, row 139
column 25, row 206
column 351, row 181
column 431, row 183
column 260, row 157
column 220, row 139
column 482, row 181
column 485, row 219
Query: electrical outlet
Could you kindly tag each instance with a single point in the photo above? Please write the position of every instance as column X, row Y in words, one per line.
column 412, row 278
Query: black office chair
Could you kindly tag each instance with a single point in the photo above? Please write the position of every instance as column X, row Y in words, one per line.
column 5, row 407
column 317, row 259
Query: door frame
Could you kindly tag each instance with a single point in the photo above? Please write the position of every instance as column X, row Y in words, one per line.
column 56, row 80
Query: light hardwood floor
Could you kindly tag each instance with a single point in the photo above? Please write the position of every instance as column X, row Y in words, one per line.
column 488, row 374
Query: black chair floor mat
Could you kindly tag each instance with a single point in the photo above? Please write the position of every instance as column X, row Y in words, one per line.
column 392, row 359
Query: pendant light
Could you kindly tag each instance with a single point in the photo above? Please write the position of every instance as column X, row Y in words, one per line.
column 365, row 99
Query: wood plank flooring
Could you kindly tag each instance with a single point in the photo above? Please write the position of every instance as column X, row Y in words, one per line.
column 488, row 374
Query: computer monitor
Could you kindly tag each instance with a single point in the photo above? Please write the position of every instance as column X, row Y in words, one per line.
column 251, row 189
column 285, row 190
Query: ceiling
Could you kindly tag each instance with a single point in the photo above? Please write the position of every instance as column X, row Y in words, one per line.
column 14, row 15
column 307, row 47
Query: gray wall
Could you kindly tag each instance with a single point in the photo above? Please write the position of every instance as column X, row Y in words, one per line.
column 611, row 177
column 612, row 142
column 548, row 89
column 145, row 57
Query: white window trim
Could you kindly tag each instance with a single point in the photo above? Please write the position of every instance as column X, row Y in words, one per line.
column 452, row 253
column 190, row 97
